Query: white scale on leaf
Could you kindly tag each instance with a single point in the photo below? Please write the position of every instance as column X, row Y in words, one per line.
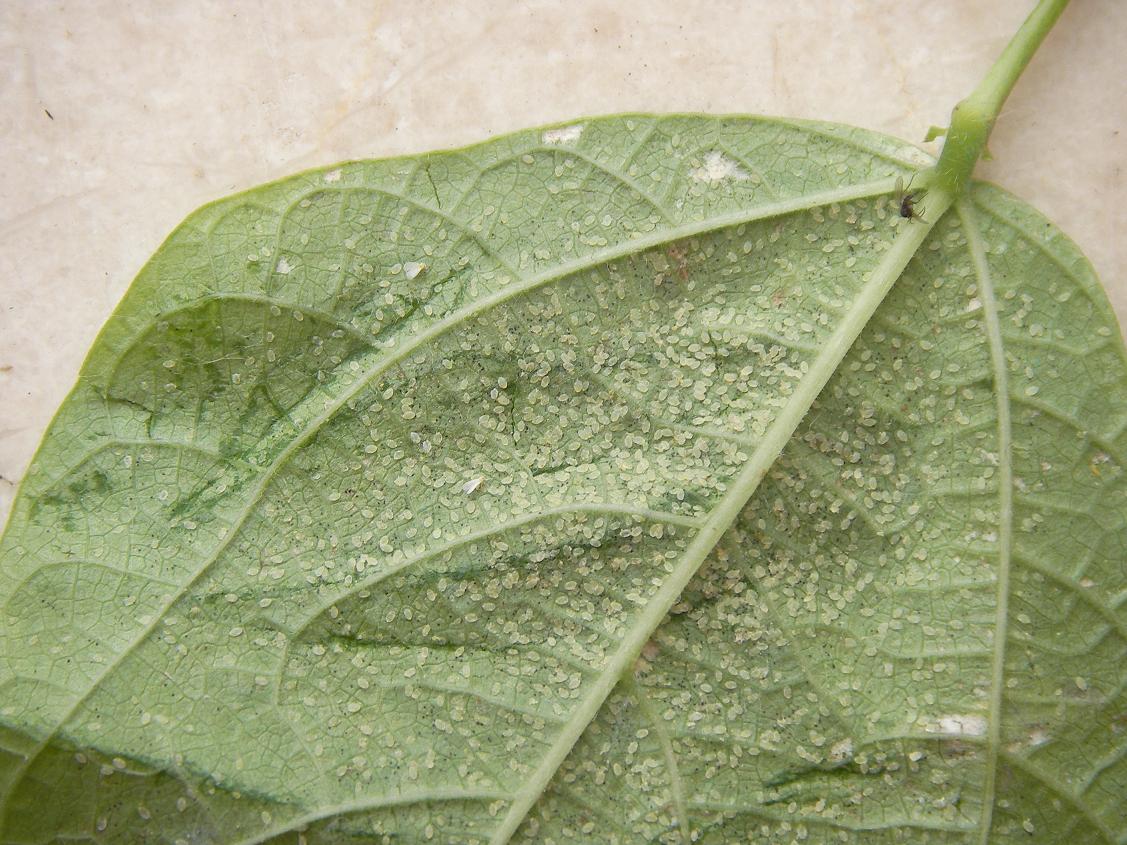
column 617, row 496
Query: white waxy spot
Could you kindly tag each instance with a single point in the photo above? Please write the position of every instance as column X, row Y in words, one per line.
column 412, row 268
column 841, row 751
column 563, row 135
column 472, row 486
column 333, row 175
column 284, row 267
column 717, row 167
column 960, row 725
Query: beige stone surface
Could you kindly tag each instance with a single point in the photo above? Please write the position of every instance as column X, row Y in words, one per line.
column 118, row 119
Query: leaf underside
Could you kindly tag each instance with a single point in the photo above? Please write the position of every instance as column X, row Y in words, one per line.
column 368, row 493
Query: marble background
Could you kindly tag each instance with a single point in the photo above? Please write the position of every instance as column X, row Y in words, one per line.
column 119, row 118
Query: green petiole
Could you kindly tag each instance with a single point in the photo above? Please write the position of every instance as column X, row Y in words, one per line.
column 973, row 118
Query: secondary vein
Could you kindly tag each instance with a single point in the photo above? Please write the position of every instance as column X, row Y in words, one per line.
column 676, row 786
column 1005, row 510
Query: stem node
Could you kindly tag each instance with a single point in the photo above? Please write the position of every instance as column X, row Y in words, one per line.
column 973, row 118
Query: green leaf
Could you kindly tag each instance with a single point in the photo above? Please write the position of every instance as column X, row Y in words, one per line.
column 916, row 629
column 382, row 478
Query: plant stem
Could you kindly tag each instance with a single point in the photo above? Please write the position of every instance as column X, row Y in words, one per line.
column 973, row 118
